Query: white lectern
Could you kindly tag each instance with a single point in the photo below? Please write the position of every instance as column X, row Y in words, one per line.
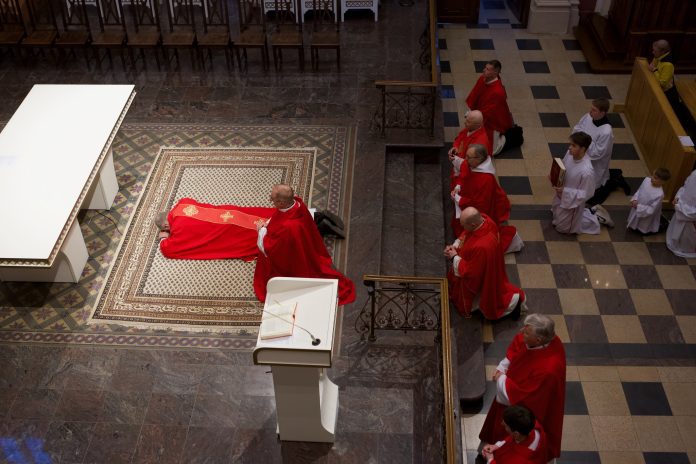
column 306, row 400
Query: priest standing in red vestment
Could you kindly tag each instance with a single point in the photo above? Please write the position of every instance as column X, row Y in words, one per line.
column 289, row 245
column 533, row 375
column 477, row 186
column 489, row 97
column 477, row 278
column 525, row 443
column 472, row 133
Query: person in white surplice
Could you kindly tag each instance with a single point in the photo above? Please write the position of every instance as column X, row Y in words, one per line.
column 570, row 216
column 681, row 233
column 646, row 204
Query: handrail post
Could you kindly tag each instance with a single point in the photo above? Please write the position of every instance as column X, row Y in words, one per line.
column 371, row 292
column 384, row 111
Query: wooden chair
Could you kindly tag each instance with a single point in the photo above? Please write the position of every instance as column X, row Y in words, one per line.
column 216, row 30
column 76, row 30
column 287, row 32
column 252, row 32
column 146, row 33
column 43, row 27
column 325, row 31
column 112, row 31
column 12, row 29
column 181, row 33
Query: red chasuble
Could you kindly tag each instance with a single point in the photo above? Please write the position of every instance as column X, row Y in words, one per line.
column 535, row 379
column 481, row 190
column 203, row 231
column 294, row 248
column 519, row 453
column 491, row 100
column 482, row 273
column 462, row 142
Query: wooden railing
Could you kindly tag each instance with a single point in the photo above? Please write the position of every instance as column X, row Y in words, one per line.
column 656, row 128
column 379, row 286
column 411, row 104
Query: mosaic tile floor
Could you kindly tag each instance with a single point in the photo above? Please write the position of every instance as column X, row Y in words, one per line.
column 623, row 304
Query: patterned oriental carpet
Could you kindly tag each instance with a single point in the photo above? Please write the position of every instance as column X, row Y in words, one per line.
column 139, row 298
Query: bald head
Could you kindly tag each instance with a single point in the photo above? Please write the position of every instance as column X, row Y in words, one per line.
column 474, row 120
column 470, row 218
column 282, row 196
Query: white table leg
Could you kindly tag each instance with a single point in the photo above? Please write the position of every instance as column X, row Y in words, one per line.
column 105, row 186
column 67, row 267
column 306, row 404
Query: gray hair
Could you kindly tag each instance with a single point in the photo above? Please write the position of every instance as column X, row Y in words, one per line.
column 543, row 326
column 480, row 151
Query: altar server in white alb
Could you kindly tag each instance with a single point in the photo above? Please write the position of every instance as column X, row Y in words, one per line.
column 570, row 216
column 596, row 125
column 646, row 204
column 681, row 233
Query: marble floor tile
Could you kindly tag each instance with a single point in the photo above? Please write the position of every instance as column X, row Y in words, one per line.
column 169, row 409
column 577, row 434
column 598, row 253
column 598, row 373
column 676, row 277
column 578, row 301
column 623, row 329
column 658, row 433
column 605, row 398
column 632, row 253
column 160, row 443
column 605, row 276
column 661, row 329
column 687, row 326
column 209, row 445
column 638, row 374
column 682, row 398
column 571, row 276
column 646, row 399
column 536, row 276
column 113, row 443
column 614, row 302
column 614, row 433
column 565, row 252
column 653, row 302
column 586, row 329
column 68, row 441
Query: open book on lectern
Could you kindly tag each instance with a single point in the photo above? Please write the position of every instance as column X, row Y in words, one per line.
column 278, row 320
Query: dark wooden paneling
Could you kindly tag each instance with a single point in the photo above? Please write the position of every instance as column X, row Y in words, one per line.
column 458, row 11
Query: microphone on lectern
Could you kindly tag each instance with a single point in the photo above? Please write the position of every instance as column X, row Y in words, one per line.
column 315, row 341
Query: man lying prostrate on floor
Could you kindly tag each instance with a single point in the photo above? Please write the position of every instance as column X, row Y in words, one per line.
column 477, row 186
column 194, row 230
column 289, row 245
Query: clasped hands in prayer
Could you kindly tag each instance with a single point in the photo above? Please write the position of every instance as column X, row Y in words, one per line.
column 450, row 252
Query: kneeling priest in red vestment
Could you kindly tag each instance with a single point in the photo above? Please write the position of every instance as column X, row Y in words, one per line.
column 478, row 279
column 290, row 245
column 525, row 443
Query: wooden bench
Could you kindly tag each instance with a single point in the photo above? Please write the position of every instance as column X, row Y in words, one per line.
column 656, row 129
column 687, row 91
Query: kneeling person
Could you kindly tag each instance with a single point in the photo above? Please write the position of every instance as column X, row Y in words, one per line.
column 525, row 444
column 478, row 278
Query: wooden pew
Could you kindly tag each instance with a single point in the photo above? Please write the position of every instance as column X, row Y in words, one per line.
column 656, row 128
column 687, row 92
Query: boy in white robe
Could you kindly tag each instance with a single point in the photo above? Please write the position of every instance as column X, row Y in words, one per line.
column 646, row 204
column 570, row 216
column 681, row 233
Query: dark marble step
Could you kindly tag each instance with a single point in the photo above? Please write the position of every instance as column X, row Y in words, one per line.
column 397, row 257
column 470, row 366
column 429, row 220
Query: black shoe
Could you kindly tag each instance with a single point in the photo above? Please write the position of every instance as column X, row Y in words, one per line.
column 334, row 219
column 517, row 312
column 624, row 185
column 326, row 227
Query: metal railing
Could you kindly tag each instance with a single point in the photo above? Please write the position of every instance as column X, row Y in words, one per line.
column 415, row 304
column 411, row 104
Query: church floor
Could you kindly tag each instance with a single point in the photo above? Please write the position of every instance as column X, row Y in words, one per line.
column 623, row 304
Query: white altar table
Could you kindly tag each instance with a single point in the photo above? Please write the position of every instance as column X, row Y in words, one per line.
column 55, row 158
